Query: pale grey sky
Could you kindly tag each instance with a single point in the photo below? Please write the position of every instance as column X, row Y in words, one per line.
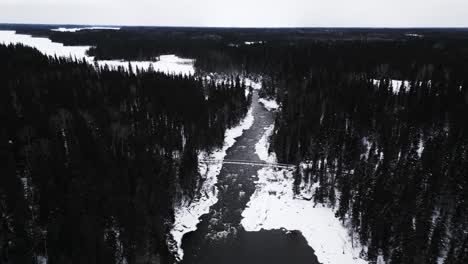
column 240, row 13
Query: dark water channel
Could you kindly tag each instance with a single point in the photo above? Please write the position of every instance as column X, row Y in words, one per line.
column 220, row 237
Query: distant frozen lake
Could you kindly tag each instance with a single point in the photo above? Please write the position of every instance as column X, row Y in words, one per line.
column 167, row 63
column 44, row 45
column 63, row 29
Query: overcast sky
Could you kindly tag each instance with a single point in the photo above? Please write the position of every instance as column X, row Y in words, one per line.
column 240, row 13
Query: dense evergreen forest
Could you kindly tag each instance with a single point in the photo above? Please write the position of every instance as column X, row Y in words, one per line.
column 92, row 159
column 266, row 51
column 393, row 161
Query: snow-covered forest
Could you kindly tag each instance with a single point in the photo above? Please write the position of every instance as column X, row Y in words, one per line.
column 185, row 145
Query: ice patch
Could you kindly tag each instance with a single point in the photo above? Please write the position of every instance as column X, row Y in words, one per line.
column 262, row 146
column 187, row 213
column 270, row 105
column 63, row 29
column 274, row 206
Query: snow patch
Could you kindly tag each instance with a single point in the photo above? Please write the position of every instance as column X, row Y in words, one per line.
column 414, row 35
column 274, row 206
column 366, row 143
column 380, row 259
column 186, row 212
column 263, row 145
column 170, row 64
column 220, row 78
column 232, row 134
column 42, row 260
column 252, row 42
column 270, row 105
column 395, row 84
column 420, row 147
column 255, row 84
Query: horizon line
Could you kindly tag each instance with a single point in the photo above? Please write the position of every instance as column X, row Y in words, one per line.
column 242, row 27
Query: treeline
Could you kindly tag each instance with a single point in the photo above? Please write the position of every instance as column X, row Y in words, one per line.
column 91, row 159
column 267, row 51
column 392, row 161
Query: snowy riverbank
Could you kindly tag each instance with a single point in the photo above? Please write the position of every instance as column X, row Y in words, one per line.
column 187, row 213
column 269, row 104
column 263, row 145
column 274, row 206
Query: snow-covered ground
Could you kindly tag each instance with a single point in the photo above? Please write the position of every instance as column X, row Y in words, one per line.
column 274, row 206
column 63, row 29
column 187, row 213
column 166, row 63
column 270, row 105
